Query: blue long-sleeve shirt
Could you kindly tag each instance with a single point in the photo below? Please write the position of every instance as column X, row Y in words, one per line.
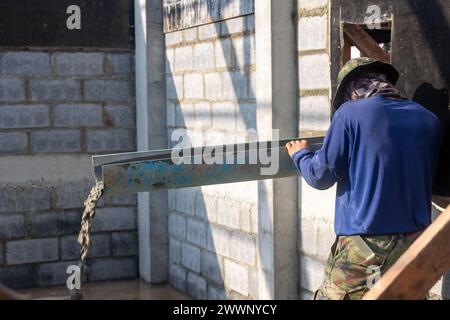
column 382, row 154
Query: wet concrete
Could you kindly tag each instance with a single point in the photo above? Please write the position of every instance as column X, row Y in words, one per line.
column 109, row 290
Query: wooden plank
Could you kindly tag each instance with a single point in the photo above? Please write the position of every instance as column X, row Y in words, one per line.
column 420, row 267
column 346, row 50
column 364, row 42
column 8, row 294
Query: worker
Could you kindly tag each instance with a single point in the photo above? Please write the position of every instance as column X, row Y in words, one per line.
column 381, row 150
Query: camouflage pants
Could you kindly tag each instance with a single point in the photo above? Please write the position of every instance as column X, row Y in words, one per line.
column 355, row 262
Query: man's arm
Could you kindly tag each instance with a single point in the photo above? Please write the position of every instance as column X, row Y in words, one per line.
column 323, row 169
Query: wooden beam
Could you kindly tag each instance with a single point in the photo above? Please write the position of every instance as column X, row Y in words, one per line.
column 346, row 50
column 365, row 43
column 420, row 267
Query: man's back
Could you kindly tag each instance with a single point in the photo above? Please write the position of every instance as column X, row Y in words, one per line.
column 382, row 154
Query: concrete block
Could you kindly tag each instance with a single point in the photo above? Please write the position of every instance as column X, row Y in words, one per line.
column 170, row 61
column 190, row 35
column 212, row 267
column 252, row 85
column 55, row 273
column 55, row 90
column 235, row 85
column 170, row 114
column 202, row 113
column 223, row 115
column 311, row 273
column 113, row 269
column 228, row 213
column 184, row 115
column 253, row 287
column 31, row 251
column 173, row 38
column 78, row 115
column 314, row 113
column 186, row 200
column 114, row 219
column 209, row 31
column 177, row 277
column 213, row 86
column 235, row 25
column 12, row 226
column 193, row 86
column 196, row 286
column 175, row 87
column 124, row 243
column 316, row 204
column 246, row 116
column 247, row 213
column 171, row 195
column 244, row 48
column 118, row 63
column 196, row 232
column 218, row 240
column 177, row 226
column 108, row 90
column 236, row 277
column 206, row 206
column 70, row 222
column 204, row 56
column 184, row 58
column 312, row 33
column 243, row 248
column 18, row 276
column 12, row 89
column 79, row 63
column 100, row 245
column 25, row 63
column 60, row 140
column 24, row 198
column 314, row 71
column 46, row 224
column 70, row 248
column 215, row 293
column 224, row 53
column 24, row 116
column 13, row 142
column 316, row 238
column 121, row 200
column 312, row 4
column 174, row 251
column 102, row 140
column 71, row 195
column 120, row 116
column 191, row 257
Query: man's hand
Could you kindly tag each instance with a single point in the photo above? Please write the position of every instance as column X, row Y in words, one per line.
column 294, row 146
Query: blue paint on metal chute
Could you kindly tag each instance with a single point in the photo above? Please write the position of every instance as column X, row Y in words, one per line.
column 158, row 169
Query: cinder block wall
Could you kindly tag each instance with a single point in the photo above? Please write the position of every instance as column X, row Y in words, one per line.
column 57, row 108
column 210, row 92
column 316, row 208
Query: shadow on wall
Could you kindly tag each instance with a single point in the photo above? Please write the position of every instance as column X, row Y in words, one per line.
column 440, row 53
column 211, row 266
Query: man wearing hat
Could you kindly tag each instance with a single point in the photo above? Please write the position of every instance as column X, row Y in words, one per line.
column 381, row 150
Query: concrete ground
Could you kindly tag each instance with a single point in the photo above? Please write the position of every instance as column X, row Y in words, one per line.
column 109, row 290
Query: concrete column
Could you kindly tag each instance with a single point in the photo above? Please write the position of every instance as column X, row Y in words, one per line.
column 276, row 93
column 151, row 134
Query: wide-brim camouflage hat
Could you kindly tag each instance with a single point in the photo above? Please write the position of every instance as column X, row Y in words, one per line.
column 355, row 67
